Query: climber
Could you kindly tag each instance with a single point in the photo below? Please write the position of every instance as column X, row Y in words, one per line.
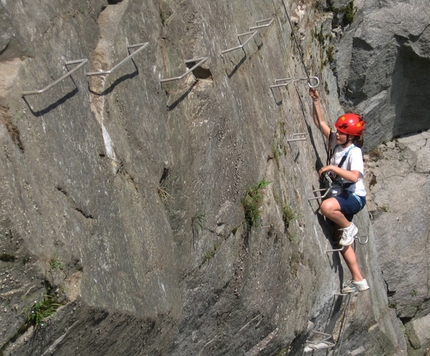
column 348, row 191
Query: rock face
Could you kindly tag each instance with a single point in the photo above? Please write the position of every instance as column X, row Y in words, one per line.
column 400, row 205
column 382, row 66
column 122, row 194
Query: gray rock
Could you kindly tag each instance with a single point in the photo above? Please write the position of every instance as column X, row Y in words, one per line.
column 388, row 71
column 138, row 185
column 399, row 201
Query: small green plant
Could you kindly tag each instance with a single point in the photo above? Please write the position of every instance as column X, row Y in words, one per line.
column 210, row 254
column 349, row 13
column 319, row 36
column 385, row 208
column 414, row 293
column 327, row 90
column 293, row 238
column 283, row 352
column 288, row 215
column 41, row 310
column 276, row 150
column 252, row 201
column 56, row 263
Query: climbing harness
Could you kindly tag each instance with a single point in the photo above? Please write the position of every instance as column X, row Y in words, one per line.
column 344, row 186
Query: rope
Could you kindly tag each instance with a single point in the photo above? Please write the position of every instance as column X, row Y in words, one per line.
column 307, row 75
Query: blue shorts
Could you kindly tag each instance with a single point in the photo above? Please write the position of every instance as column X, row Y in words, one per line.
column 350, row 204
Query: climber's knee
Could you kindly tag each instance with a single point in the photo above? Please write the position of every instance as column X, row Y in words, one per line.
column 329, row 206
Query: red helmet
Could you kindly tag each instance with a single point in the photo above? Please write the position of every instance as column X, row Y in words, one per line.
column 350, row 124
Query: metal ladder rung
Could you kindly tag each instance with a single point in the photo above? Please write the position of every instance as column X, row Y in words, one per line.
column 243, row 44
column 141, row 45
column 297, row 137
column 252, row 31
column 327, row 191
column 283, row 82
column 335, row 250
column 320, row 344
column 69, row 73
column 189, row 70
column 330, row 181
column 262, row 26
column 362, row 240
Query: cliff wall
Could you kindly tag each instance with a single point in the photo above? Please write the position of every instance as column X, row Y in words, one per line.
column 122, row 194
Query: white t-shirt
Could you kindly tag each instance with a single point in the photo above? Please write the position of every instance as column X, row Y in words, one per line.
column 353, row 162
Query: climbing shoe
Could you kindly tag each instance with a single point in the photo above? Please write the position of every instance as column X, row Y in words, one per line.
column 354, row 286
column 348, row 234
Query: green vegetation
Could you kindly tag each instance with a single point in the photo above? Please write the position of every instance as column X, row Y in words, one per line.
column 252, row 202
column 288, row 215
column 318, row 35
column 283, row 352
column 56, row 263
column 349, row 13
column 276, row 150
column 385, row 208
column 210, row 254
column 41, row 310
column 292, row 237
column 327, row 90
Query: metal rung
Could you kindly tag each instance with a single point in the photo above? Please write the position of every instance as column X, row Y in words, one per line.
column 322, row 343
column 285, row 81
column 327, row 191
column 297, row 137
column 362, row 240
column 243, row 44
column 252, row 31
column 141, row 45
column 335, row 250
column 261, row 26
column 81, row 63
column 189, row 70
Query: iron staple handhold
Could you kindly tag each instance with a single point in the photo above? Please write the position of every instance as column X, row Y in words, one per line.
column 189, row 70
column 141, row 45
column 253, row 30
column 69, row 73
column 279, row 82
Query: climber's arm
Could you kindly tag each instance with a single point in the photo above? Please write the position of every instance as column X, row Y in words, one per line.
column 317, row 114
